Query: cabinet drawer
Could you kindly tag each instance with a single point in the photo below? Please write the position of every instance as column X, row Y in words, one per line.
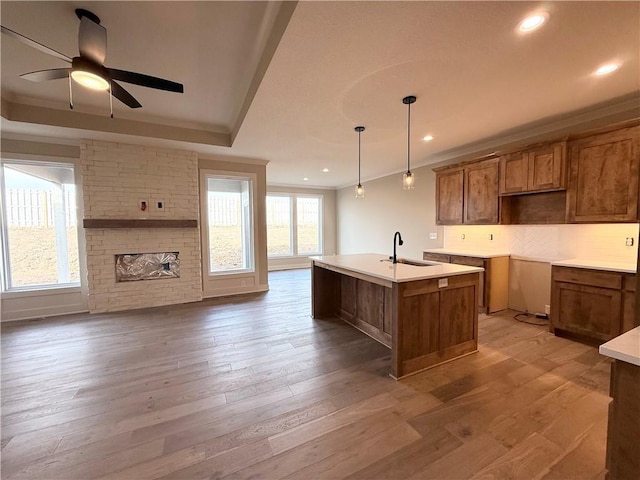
column 469, row 261
column 582, row 276
column 436, row 257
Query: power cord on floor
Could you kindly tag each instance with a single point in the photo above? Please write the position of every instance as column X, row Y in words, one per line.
column 542, row 319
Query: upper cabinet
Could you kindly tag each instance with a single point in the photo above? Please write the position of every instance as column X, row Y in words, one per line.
column 481, row 201
column 539, row 169
column 603, row 177
column 468, row 194
column 449, row 193
column 591, row 179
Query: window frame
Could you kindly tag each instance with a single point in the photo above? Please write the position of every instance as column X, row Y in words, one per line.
column 5, row 270
column 293, row 199
column 207, row 174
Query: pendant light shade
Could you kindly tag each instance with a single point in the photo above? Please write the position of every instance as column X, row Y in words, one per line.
column 408, row 179
column 359, row 187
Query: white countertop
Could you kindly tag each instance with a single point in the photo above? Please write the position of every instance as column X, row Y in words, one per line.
column 377, row 265
column 467, row 253
column 623, row 267
column 625, row 347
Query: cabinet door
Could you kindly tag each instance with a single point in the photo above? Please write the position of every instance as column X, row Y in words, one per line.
column 514, row 173
column 449, row 192
column 481, row 205
column 603, row 177
column 593, row 312
column 546, row 170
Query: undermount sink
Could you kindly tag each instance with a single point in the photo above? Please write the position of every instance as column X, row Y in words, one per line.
column 415, row 263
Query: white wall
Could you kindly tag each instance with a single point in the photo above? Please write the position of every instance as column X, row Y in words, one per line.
column 368, row 224
column 533, row 247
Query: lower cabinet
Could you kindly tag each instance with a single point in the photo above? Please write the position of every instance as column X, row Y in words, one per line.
column 365, row 305
column 591, row 305
column 493, row 293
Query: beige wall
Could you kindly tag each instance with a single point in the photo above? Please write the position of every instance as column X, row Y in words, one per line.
column 242, row 283
column 329, row 224
column 368, row 224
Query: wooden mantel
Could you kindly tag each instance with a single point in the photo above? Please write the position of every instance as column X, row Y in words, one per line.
column 137, row 223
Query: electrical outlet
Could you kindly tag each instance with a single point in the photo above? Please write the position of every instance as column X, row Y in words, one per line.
column 433, row 236
column 629, row 242
column 547, row 309
column 158, row 205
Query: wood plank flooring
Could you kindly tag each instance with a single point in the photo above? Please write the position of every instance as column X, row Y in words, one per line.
column 253, row 388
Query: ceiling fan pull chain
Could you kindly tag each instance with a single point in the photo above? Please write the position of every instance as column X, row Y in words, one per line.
column 70, row 93
column 111, row 99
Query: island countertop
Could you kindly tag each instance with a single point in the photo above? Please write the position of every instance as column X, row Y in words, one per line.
column 379, row 266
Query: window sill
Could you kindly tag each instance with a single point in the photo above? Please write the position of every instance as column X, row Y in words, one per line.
column 39, row 292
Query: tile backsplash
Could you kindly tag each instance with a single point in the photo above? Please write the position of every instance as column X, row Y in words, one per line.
column 549, row 242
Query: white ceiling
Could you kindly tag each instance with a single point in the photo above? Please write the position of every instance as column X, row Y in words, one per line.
column 337, row 65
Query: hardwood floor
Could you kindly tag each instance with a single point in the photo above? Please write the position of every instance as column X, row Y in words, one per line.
column 252, row 387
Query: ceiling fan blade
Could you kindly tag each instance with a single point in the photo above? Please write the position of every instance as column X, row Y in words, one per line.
column 34, row 44
column 124, row 96
column 92, row 40
column 145, row 80
column 43, row 75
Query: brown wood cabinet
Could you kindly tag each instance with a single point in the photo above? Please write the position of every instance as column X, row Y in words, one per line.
column 591, row 305
column 493, row 291
column 603, row 177
column 424, row 322
column 468, row 194
column 539, row 169
column 449, row 197
column 623, row 447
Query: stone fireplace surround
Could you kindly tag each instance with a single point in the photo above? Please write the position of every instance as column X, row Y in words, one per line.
column 115, row 178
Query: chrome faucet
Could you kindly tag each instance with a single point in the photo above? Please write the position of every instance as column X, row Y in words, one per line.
column 400, row 242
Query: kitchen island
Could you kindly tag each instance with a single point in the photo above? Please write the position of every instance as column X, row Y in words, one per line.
column 424, row 312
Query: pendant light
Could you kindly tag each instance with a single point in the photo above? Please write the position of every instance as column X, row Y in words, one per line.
column 359, row 187
column 408, row 179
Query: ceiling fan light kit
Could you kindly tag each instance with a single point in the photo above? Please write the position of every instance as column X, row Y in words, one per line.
column 88, row 68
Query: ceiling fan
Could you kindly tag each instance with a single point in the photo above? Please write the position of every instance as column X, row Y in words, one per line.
column 88, row 68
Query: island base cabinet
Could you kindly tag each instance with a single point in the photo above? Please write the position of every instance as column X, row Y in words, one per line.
column 623, row 444
column 424, row 322
column 436, row 323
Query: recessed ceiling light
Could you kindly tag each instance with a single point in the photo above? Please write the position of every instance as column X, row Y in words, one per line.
column 306, row 179
column 533, row 22
column 325, row 170
column 427, row 138
column 606, row 69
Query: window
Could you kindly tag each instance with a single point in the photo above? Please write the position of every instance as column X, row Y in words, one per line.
column 308, row 225
column 294, row 225
column 39, row 226
column 230, row 220
column 279, row 233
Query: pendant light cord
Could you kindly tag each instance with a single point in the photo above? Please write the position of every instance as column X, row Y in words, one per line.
column 359, row 132
column 409, row 138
